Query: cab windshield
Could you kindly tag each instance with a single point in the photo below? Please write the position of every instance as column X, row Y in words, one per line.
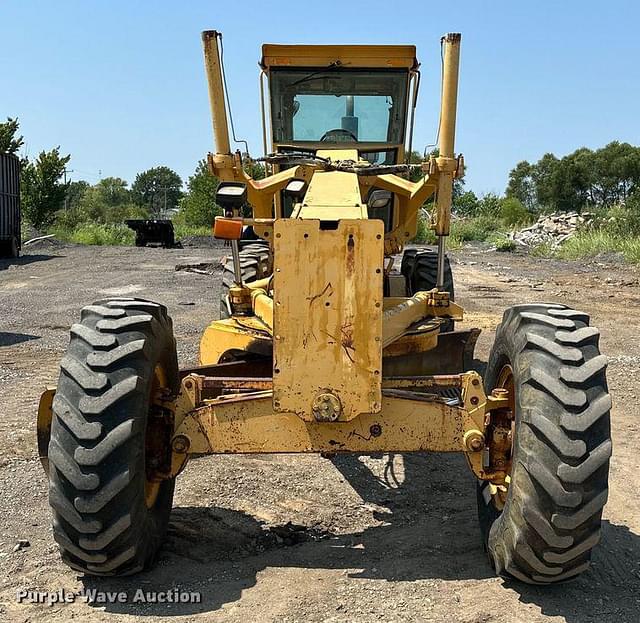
column 338, row 105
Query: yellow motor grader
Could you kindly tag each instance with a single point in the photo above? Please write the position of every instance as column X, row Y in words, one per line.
column 324, row 344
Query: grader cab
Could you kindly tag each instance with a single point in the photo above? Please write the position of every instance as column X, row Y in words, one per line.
column 324, row 344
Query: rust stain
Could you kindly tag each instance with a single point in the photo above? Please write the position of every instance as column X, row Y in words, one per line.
column 332, row 337
column 347, row 340
column 351, row 256
column 328, row 290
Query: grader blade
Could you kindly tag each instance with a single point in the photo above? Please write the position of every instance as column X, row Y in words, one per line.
column 453, row 354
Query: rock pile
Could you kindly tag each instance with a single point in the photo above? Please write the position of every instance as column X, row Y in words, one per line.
column 551, row 229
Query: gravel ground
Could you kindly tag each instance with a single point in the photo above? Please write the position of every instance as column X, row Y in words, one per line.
column 302, row 538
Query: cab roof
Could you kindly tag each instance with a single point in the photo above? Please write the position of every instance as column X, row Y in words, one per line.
column 356, row 56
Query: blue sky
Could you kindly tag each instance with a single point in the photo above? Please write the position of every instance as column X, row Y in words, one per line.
column 120, row 84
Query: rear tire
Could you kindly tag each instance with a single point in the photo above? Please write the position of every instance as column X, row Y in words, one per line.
column 14, row 248
column 10, row 248
column 108, row 518
column 420, row 269
column 255, row 263
column 551, row 517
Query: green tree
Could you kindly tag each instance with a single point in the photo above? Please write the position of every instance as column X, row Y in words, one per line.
column 198, row 206
column 521, row 185
column 616, row 173
column 513, row 212
column 465, row 203
column 75, row 192
column 585, row 178
column 113, row 191
column 42, row 192
column 543, row 180
column 489, row 205
column 156, row 189
column 99, row 205
column 416, row 173
column 10, row 142
column 255, row 170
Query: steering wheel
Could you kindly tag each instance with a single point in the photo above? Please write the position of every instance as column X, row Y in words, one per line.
column 339, row 135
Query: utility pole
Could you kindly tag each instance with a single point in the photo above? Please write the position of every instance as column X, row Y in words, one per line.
column 66, row 197
column 164, row 189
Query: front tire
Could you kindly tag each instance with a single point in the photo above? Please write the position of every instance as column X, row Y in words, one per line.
column 549, row 356
column 109, row 516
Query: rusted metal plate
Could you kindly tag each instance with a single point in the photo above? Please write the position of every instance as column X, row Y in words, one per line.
column 251, row 426
column 328, row 315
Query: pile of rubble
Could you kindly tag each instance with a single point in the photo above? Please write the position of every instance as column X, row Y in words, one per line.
column 552, row 229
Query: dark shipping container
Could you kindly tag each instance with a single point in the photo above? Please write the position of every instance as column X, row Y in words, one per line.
column 9, row 205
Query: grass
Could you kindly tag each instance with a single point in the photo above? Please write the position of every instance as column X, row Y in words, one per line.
column 502, row 242
column 590, row 243
column 182, row 231
column 543, row 249
column 97, row 234
column 116, row 235
column 480, row 228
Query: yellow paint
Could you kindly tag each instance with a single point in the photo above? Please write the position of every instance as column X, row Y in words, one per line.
column 328, row 315
column 367, row 56
column 242, row 333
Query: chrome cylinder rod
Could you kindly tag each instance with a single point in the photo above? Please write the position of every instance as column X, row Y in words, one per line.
column 442, row 250
column 237, row 269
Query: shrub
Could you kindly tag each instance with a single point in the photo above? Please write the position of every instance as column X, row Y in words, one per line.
column 182, row 230
column 424, row 234
column 590, row 243
column 97, row 234
column 513, row 212
column 621, row 220
column 478, row 228
column 544, row 249
column 489, row 205
column 466, row 204
column 501, row 242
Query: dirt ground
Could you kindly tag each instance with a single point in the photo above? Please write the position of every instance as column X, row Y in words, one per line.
column 302, row 538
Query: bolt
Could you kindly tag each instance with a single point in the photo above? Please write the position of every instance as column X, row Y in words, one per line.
column 188, row 384
column 326, row 407
column 475, row 382
column 375, row 430
column 474, row 400
column 180, row 444
column 474, row 440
